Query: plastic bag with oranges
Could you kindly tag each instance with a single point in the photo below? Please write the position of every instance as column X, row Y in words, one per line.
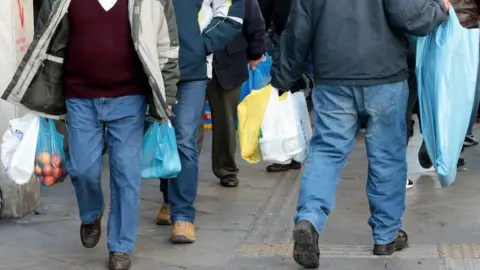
column 50, row 161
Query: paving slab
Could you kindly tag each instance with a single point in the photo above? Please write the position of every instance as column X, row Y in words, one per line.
column 250, row 227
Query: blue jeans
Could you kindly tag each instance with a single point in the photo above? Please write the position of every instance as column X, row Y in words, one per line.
column 182, row 191
column 123, row 118
column 338, row 110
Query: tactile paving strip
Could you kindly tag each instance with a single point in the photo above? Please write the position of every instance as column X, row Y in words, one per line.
column 442, row 251
column 459, row 251
column 347, row 251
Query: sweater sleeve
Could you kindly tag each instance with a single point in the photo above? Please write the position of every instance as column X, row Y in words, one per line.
column 226, row 24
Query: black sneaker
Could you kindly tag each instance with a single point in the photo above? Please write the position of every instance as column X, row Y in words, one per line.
column 423, row 157
column 294, row 165
column 470, row 140
column 90, row 233
column 306, row 251
column 119, row 261
column 398, row 244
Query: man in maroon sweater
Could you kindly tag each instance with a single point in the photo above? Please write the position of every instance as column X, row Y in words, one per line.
column 105, row 88
column 103, row 63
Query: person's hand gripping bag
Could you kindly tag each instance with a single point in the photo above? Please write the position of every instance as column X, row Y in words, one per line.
column 50, row 161
column 160, row 152
column 258, row 78
column 446, row 68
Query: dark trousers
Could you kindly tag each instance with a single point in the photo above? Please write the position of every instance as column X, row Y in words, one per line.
column 223, row 107
column 413, row 93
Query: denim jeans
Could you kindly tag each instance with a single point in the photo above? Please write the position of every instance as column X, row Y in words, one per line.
column 337, row 113
column 182, row 191
column 123, row 118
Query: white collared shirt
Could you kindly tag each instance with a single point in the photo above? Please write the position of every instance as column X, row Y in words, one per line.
column 107, row 4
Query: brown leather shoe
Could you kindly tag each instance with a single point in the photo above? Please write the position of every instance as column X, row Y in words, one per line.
column 119, row 261
column 163, row 216
column 183, row 232
column 90, row 233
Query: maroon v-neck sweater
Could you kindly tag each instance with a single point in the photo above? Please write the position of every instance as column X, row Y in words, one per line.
column 101, row 60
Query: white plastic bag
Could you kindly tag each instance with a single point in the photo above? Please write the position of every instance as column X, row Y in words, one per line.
column 290, row 126
column 280, row 137
column 18, row 148
column 305, row 127
column 270, row 142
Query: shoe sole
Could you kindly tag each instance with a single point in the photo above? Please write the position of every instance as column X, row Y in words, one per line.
column 285, row 170
column 229, row 184
column 115, row 268
column 395, row 248
column 182, row 239
column 306, row 251
column 164, row 222
column 90, row 246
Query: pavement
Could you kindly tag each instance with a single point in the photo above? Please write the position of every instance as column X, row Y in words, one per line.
column 250, row 227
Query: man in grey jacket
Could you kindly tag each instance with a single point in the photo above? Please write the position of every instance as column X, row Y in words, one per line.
column 359, row 50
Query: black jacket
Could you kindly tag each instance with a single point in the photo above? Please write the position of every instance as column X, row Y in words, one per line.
column 275, row 12
column 361, row 42
column 230, row 65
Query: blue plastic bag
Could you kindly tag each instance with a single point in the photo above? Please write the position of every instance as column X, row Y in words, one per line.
column 447, row 63
column 258, row 78
column 160, row 153
column 50, row 161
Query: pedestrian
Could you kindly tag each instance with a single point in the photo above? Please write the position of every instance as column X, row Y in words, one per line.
column 99, row 62
column 204, row 26
column 361, row 72
column 230, row 71
column 276, row 13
